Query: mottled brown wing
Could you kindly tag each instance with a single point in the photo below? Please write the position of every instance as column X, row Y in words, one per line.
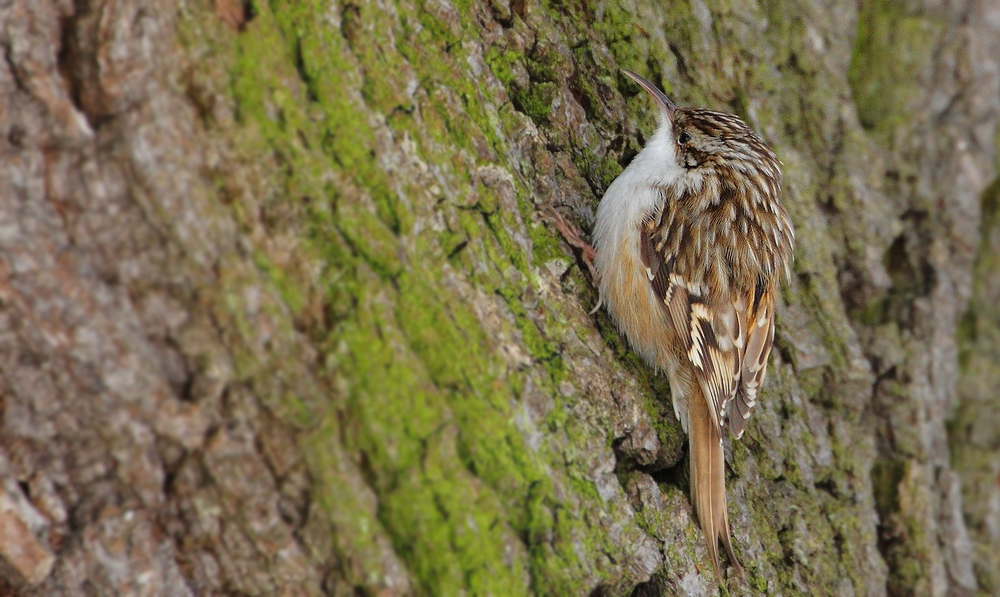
column 709, row 330
column 760, row 338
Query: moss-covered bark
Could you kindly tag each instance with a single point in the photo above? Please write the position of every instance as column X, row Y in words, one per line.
column 345, row 352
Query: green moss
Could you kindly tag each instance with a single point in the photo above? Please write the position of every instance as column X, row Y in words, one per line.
column 433, row 434
column 874, row 314
column 603, row 169
column 536, row 100
column 502, row 62
column 886, row 478
column 660, row 410
column 893, row 43
column 423, row 434
column 545, row 245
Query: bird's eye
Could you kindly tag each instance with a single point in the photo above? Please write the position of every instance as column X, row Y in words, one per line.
column 683, row 138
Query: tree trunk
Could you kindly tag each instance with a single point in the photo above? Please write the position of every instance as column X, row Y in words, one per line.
column 283, row 311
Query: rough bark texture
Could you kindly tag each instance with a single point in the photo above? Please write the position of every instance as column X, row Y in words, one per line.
column 281, row 312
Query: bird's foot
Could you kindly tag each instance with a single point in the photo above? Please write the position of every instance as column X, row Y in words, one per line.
column 572, row 235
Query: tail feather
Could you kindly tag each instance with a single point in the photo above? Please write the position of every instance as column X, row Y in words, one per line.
column 708, row 481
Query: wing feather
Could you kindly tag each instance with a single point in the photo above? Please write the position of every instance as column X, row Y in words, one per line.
column 708, row 330
column 760, row 339
column 725, row 339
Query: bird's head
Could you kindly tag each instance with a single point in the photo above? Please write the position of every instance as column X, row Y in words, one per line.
column 702, row 142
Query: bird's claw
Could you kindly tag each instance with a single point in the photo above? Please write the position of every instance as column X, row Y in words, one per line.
column 574, row 238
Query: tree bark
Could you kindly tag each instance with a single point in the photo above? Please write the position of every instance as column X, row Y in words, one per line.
column 282, row 310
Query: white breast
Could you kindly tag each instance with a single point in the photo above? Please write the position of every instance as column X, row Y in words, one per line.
column 632, row 198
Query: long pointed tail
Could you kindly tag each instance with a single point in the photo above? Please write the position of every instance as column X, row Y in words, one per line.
column 708, row 480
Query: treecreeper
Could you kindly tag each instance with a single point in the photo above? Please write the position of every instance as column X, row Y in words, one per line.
column 690, row 242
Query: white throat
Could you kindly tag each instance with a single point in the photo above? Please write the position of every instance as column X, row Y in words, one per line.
column 635, row 195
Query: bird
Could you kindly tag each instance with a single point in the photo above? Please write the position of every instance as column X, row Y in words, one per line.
column 690, row 243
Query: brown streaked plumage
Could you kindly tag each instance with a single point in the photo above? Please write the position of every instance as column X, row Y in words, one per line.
column 691, row 239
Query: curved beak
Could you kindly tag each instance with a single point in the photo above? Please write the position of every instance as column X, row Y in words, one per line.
column 666, row 105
